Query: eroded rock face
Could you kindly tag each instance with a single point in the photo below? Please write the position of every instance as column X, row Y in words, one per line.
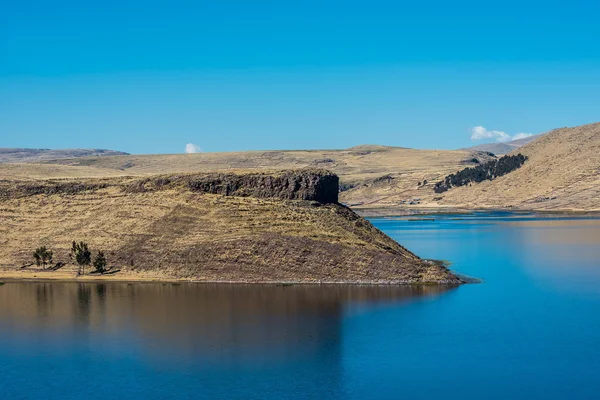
column 309, row 184
column 321, row 186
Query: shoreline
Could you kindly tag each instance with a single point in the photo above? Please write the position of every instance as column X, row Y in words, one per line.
column 128, row 277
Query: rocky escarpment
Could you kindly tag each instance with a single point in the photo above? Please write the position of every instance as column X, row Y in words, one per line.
column 315, row 185
column 309, row 184
column 246, row 227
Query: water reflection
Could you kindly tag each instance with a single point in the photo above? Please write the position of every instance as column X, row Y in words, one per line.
column 563, row 253
column 222, row 324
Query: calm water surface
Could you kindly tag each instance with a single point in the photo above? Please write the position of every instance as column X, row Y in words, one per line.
column 531, row 329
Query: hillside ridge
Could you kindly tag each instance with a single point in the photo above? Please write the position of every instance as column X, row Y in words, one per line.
column 562, row 173
column 38, row 155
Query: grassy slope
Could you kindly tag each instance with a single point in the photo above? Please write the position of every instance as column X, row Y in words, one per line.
column 361, row 166
column 563, row 172
column 176, row 233
column 31, row 172
column 38, row 155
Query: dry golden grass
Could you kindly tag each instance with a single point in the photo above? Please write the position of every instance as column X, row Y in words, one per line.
column 352, row 165
column 30, row 172
column 361, row 166
column 174, row 233
column 562, row 173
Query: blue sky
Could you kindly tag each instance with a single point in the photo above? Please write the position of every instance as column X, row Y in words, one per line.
column 150, row 77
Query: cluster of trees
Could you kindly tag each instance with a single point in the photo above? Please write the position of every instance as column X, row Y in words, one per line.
column 80, row 254
column 486, row 171
column 42, row 256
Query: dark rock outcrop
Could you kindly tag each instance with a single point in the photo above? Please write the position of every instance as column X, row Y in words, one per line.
column 306, row 184
column 321, row 186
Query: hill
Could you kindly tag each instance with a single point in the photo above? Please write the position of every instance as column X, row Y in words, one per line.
column 32, row 171
column 369, row 175
column 278, row 226
column 37, row 155
column 503, row 148
column 562, row 173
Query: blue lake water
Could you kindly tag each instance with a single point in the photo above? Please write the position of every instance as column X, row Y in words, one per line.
column 532, row 328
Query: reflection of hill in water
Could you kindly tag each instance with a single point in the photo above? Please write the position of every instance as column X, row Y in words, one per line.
column 219, row 323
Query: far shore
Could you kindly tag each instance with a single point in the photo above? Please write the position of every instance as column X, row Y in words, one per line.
column 426, row 211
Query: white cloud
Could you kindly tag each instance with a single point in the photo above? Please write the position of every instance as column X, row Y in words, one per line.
column 480, row 133
column 192, row 148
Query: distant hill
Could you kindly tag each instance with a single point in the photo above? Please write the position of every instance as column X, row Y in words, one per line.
column 37, row 155
column 562, row 172
column 374, row 147
column 503, row 148
column 370, row 175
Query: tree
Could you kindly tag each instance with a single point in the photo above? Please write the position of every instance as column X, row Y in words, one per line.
column 487, row 171
column 81, row 254
column 42, row 256
column 100, row 262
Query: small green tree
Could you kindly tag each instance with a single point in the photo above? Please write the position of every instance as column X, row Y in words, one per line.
column 82, row 255
column 100, row 262
column 37, row 255
column 48, row 258
column 42, row 256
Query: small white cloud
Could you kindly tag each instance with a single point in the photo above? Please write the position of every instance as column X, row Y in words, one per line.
column 480, row 133
column 522, row 135
column 192, row 148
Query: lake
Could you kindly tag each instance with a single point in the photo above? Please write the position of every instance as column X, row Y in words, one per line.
column 531, row 328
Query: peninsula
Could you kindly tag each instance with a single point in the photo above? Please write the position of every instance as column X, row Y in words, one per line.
column 240, row 226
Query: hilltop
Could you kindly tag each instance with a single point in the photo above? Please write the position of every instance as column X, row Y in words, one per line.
column 242, row 226
column 502, row 148
column 37, row 155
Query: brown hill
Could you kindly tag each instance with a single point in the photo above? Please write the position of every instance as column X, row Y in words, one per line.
column 503, row 148
column 281, row 226
column 37, row 155
column 370, row 175
column 562, row 173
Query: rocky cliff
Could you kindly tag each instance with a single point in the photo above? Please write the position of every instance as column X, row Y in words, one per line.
column 314, row 185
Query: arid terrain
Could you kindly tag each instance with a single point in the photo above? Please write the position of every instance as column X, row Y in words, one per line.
column 280, row 226
column 272, row 216
column 370, row 175
column 38, row 155
column 562, row 172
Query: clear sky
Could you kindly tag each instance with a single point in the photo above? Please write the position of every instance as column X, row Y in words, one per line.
column 152, row 76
